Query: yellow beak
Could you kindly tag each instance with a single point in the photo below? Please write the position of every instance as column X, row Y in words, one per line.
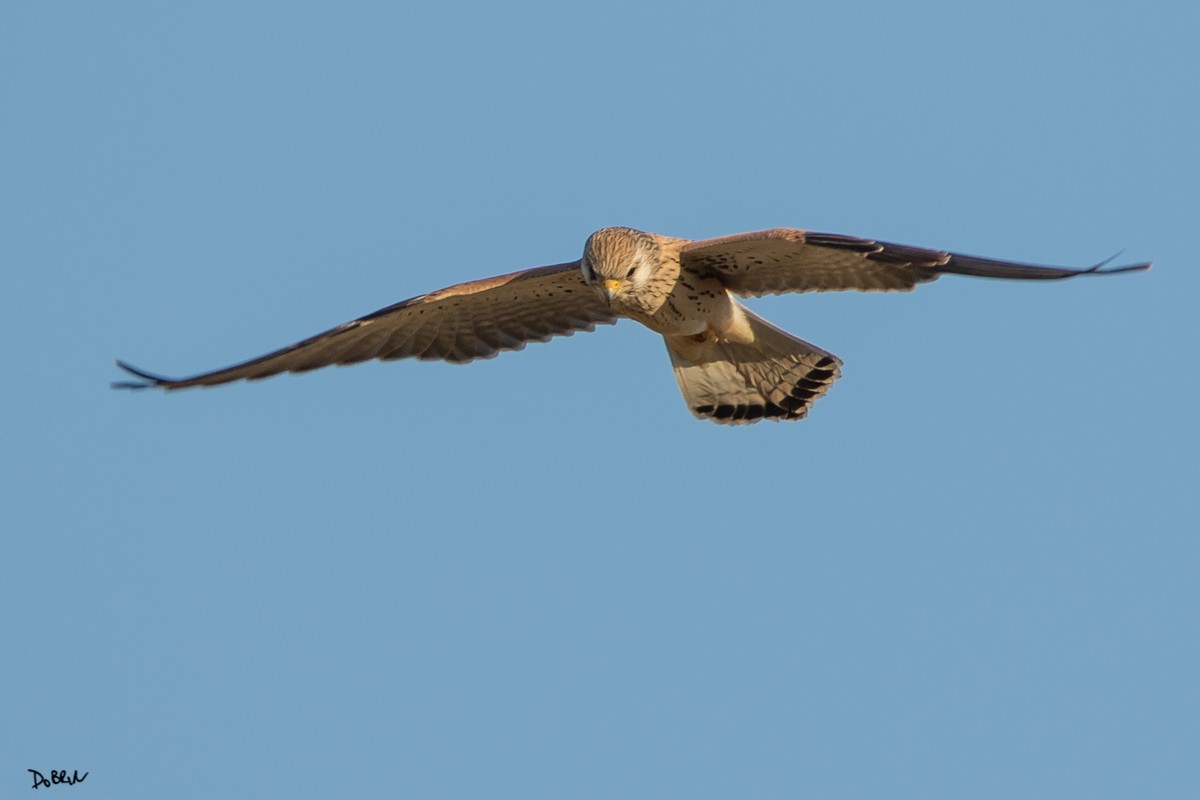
column 610, row 289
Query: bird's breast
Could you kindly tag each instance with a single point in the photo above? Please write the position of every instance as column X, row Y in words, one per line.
column 677, row 302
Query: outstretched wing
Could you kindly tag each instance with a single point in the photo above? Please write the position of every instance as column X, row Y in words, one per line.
column 460, row 323
column 788, row 260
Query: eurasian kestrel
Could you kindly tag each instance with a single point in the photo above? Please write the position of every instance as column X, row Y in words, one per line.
column 732, row 365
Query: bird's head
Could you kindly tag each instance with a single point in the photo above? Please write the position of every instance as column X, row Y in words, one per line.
column 617, row 260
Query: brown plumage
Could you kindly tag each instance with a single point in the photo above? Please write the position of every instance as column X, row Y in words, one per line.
column 732, row 366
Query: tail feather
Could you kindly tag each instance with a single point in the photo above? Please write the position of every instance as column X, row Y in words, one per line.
column 776, row 376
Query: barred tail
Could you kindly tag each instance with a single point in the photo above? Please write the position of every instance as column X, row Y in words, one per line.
column 776, row 376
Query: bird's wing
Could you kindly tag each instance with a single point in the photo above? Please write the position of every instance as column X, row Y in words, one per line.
column 788, row 260
column 460, row 323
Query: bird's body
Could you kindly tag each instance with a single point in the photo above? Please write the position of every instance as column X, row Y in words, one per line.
column 660, row 293
column 732, row 366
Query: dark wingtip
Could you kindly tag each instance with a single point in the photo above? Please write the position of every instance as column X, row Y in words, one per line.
column 1099, row 269
column 148, row 379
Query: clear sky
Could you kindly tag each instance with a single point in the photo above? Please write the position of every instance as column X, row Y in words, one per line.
column 971, row 573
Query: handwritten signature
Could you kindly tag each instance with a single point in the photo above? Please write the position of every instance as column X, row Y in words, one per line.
column 56, row 776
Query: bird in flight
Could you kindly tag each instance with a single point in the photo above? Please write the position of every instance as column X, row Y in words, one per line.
column 732, row 366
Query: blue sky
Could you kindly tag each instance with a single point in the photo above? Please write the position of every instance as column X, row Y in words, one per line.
column 970, row 573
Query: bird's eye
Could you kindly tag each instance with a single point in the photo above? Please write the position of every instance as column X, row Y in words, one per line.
column 632, row 270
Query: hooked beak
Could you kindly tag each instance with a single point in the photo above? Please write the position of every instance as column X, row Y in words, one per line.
column 610, row 289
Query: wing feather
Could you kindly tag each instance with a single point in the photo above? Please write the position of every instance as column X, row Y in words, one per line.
column 789, row 260
column 460, row 323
